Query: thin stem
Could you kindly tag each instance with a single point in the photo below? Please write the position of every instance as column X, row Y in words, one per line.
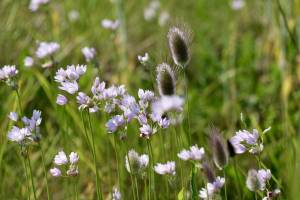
column 238, row 179
column 225, row 185
column 136, row 186
column 45, row 171
column 149, row 170
column 131, row 177
column 98, row 189
column 76, row 189
column 152, row 166
column 117, row 160
column 187, row 106
column 31, row 177
column 19, row 102
column 193, row 183
column 26, row 175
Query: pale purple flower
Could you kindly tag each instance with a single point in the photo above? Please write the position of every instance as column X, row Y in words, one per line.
column 146, row 95
column 73, row 15
column 143, row 59
column 70, row 87
column 61, row 100
column 8, row 72
column 73, row 170
column 89, row 53
column 136, row 163
column 151, row 10
column 35, row 4
column 113, row 124
column 129, row 107
column 164, row 122
column 244, row 140
column 61, row 158
column 212, row 188
column 110, row 24
column 98, row 88
column 73, row 158
column 164, row 17
column 194, row 153
column 116, row 194
column 256, row 180
column 13, row 116
column 167, row 104
column 85, row 101
column 17, row 134
column 55, row 172
column 142, row 118
column 237, row 4
column 28, row 61
column 167, row 168
column 146, row 131
column 46, row 49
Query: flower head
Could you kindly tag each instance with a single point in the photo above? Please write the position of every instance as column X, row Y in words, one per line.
column 167, row 168
column 28, row 61
column 61, row 158
column 18, row 134
column 136, row 163
column 211, row 188
column 113, row 124
column 194, row 153
column 35, row 4
column 55, row 172
column 89, row 53
column 13, row 116
column 61, row 100
column 8, row 72
column 46, row 49
column 110, row 24
column 256, row 180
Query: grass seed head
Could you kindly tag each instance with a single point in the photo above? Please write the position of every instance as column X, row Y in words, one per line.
column 220, row 154
column 165, row 80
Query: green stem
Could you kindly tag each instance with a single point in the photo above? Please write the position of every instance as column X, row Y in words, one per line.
column 26, row 175
column 225, row 185
column 238, row 179
column 187, row 106
column 136, row 186
column 131, row 177
column 149, row 170
column 76, row 189
column 45, row 171
column 19, row 102
column 98, row 189
column 193, row 183
column 117, row 160
column 31, row 177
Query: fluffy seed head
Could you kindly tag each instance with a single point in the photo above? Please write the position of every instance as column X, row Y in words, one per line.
column 165, row 80
column 220, row 154
column 178, row 40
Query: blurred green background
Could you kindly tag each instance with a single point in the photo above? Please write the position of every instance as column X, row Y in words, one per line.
column 243, row 61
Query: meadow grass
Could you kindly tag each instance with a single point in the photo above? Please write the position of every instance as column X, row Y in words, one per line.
column 244, row 73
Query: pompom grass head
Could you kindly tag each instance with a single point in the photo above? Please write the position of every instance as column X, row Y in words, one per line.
column 179, row 45
column 219, row 150
column 165, row 79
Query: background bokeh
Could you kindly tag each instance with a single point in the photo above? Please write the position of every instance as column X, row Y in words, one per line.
column 243, row 61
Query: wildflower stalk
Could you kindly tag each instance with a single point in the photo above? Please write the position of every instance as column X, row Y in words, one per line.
column 136, row 186
column 178, row 147
column 31, row 177
column 131, row 176
column 237, row 177
column 76, row 189
column 225, row 185
column 117, row 160
column 98, row 189
column 45, row 171
column 193, row 183
column 187, row 106
column 27, row 178
column 19, row 101
column 149, row 170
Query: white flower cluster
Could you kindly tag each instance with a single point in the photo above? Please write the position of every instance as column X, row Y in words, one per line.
column 151, row 12
column 212, row 188
column 29, row 132
column 8, row 74
column 68, row 78
column 165, row 169
column 194, row 154
column 136, row 163
column 46, row 49
column 61, row 159
column 245, row 141
column 89, row 53
column 257, row 179
column 35, row 4
column 110, row 24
